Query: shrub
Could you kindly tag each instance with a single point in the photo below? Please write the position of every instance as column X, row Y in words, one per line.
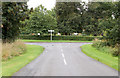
column 116, row 51
column 100, row 43
column 10, row 50
column 103, row 47
column 82, row 38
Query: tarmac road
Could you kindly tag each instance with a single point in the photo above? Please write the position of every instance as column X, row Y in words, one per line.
column 64, row 59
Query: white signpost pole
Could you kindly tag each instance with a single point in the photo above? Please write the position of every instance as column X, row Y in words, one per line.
column 51, row 36
column 51, row 33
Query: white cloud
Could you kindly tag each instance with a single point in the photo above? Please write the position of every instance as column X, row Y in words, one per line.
column 49, row 4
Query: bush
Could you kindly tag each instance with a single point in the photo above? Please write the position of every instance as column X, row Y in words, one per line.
column 10, row 50
column 116, row 51
column 103, row 47
column 82, row 38
column 100, row 43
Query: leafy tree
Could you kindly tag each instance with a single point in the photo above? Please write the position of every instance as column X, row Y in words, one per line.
column 40, row 21
column 96, row 12
column 69, row 17
column 13, row 13
column 104, row 18
column 113, row 35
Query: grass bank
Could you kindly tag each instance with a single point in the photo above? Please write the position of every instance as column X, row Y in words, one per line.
column 102, row 57
column 54, row 41
column 11, row 66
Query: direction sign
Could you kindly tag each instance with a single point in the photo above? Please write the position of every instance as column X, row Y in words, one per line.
column 50, row 30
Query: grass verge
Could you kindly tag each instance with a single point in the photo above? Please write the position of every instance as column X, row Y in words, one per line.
column 53, row 41
column 11, row 66
column 100, row 56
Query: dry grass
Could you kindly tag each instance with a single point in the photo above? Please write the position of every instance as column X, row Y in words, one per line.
column 0, row 49
column 10, row 50
column 0, row 58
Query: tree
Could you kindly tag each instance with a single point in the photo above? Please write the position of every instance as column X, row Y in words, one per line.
column 104, row 18
column 113, row 35
column 40, row 21
column 13, row 13
column 69, row 17
column 96, row 12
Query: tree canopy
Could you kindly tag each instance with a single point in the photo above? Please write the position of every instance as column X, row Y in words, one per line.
column 94, row 18
column 13, row 13
column 69, row 16
column 40, row 21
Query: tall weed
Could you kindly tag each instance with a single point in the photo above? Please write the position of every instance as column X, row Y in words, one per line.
column 10, row 50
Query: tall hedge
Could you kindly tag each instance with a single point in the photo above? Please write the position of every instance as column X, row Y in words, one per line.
column 82, row 38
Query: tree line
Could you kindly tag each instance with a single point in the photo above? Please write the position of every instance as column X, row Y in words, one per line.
column 93, row 18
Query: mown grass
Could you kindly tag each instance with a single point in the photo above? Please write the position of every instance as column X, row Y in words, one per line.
column 102, row 57
column 11, row 66
column 54, row 41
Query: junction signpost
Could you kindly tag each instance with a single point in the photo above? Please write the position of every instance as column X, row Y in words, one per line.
column 51, row 33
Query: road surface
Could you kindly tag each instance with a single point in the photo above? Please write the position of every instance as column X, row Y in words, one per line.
column 64, row 59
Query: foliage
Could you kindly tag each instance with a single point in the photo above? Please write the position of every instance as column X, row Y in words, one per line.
column 9, row 50
column 13, row 13
column 81, row 38
column 96, row 12
column 104, row 19
column 111, row 27
column 103, row 47
column 40, row 21
column 69, row 16
column 54, row 41
column 76, row 17
column 96, row 18
column 113, row 35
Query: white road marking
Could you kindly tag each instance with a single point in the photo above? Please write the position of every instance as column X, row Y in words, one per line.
column 63, row 55
column 65, row 62
column 64, row 59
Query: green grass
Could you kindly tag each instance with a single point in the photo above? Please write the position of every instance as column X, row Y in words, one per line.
column 0, row 68
column 100, row 56
column 11, row 66
column 53, row 41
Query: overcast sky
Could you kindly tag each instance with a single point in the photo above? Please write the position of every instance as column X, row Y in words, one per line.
column 49, row 4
